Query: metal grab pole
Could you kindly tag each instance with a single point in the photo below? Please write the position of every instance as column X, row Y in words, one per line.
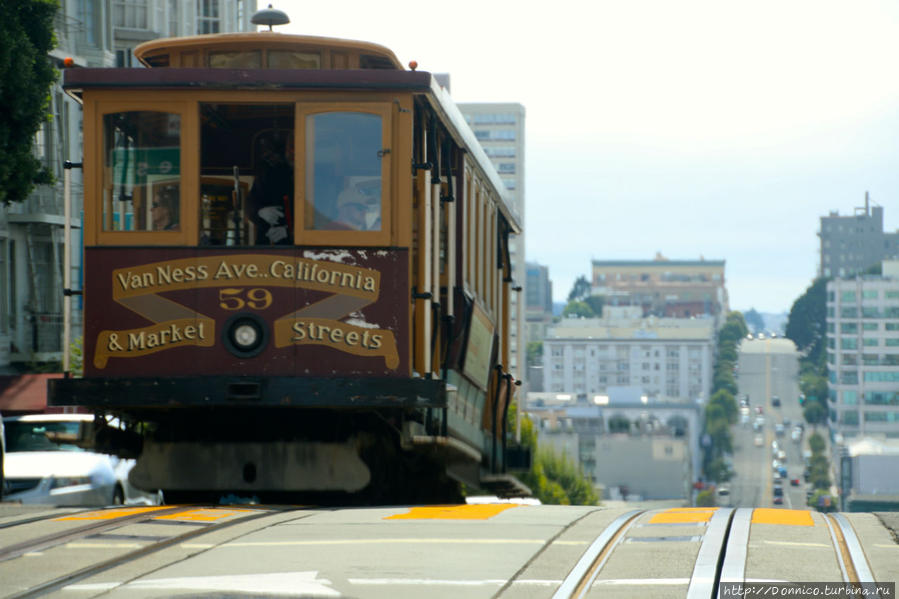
column 67, row 265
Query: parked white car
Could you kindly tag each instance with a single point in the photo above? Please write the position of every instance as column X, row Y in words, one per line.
column 43, row 465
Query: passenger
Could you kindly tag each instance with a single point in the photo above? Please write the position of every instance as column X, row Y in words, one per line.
column 271, row 198
column 357, row 209
column 164, row 210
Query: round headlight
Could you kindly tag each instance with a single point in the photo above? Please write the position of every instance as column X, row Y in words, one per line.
column 245, row 336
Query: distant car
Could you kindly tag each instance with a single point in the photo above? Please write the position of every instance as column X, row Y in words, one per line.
column 761, row 335
column 779, row 429
column 794, row 482
column 723, row 496
column 796, row 435
column 759, row 410
column 759, row 440
column 778, row 491
column 44, row 465
column 749, row 336
column 778, row 500
column 775, row 401
column 744, row 418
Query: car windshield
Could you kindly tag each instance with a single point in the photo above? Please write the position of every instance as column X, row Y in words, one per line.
column 41, row 436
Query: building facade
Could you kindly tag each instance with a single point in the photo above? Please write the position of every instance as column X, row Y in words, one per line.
column 863, row 353
column 852, row 244
column 626, row 447
column 662, row 287
column 500, row 128
column 94, row 33
column 669, row 359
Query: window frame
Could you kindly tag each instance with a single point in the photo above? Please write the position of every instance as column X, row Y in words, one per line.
column 95, row 112
column 340, row 237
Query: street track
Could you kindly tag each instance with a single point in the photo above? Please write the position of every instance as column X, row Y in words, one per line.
column 437, row 551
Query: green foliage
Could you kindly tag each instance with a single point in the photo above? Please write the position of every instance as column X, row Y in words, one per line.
column 808, row 319
column 705, row 498
column 76, row 358
column 814, row 413
column 816, row 497
column 596, row 303
column 578, row 309
column 725, row 399
column 534, row 352
column 812, row 384
column 717, row 470
column 734, row 329
column 553, row 479
column 724, row 379
column 816, row 444
column 580, row 289
column 26, row 74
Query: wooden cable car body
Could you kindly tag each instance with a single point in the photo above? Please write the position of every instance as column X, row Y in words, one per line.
column 297, row 271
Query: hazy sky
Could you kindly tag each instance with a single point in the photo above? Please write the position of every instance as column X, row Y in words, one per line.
column 721, row 129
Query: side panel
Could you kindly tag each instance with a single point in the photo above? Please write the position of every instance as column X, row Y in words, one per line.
column 173, row 312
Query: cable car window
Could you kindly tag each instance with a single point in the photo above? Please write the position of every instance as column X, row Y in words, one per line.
column 141, row 171
column 343, row 171
column 288, row 59
column 246, row 174
column 236, row 60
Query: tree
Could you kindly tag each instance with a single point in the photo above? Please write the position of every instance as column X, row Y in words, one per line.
column 534, row 352
column 26, row 74
column 580, row 289
column 578, row 309
column 816, row 443
column 754, row 319
column 725, row 400
column 807, row 320
column 705, row 498
column 814, row 413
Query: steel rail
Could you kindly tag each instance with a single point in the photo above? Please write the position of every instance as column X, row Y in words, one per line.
column 51, row 540
column 863, row 573
column 88, row 571
column 733, row 568
column 587, row 568
column 707, row 569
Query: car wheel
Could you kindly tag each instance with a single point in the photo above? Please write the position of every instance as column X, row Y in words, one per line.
column 118, row 496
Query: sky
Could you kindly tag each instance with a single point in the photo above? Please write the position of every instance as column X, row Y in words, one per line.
column 691, row 128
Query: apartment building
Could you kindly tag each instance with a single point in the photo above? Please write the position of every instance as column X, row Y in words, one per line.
column 863, row 353
column 670, row 359
column 663, row 287
column 853, row 243
column 94, row 33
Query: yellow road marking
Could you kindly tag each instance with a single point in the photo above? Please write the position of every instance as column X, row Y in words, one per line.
column 683, row 515
column 767, row 515
column 477, row 511
column 202, row 515
column 111, row 514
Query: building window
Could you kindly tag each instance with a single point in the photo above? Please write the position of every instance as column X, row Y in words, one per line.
column 131, row 14
column 208, row 20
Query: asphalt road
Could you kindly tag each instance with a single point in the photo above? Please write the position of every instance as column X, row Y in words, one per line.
column 768, row 368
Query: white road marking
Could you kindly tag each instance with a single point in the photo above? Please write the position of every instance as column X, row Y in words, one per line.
column 426, row 581
column 372, row 542
column 797, row 544
column 641, row 581
column 303, row 584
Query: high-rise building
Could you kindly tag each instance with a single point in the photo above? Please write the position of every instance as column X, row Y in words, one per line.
column 538, row 317
column 863, row 352
column 500, row 129
column 93, row 33
column 854, row 243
